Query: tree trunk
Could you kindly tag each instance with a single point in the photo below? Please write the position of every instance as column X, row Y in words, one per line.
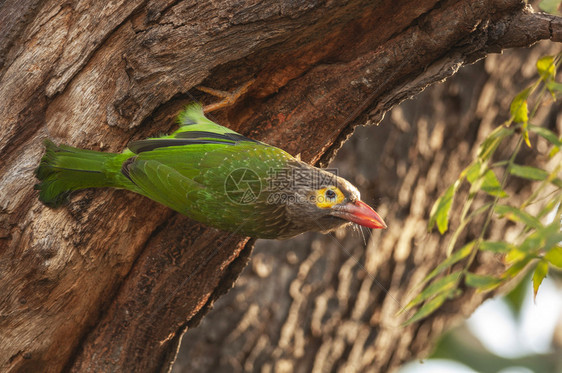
column 112, row 280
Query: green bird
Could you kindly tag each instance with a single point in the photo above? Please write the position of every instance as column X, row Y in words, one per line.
column 215, row 176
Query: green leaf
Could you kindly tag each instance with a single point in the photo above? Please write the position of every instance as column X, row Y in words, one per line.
column 528, row 172
column 482, row 282
column 544, row 238
column 553, row 204
column 516, row 268
column 488, row 182
column 541, row 270
column 546, row 68
column 557, row 182
column 489, row 145
column 496, row 246
column 517, row 215
column 549, row 6
column 546, row 134
column 515, row 255
column 551, row 235
column 442, row 285
column 457, row 256
column 440, row 210
column 518, row 109
column 492, row 186
column 533, row 243
column 553, row 87
column 429, row 307
column 554, row 256
column 473, row 172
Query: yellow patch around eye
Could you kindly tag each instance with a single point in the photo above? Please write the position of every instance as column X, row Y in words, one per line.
column 324, row 202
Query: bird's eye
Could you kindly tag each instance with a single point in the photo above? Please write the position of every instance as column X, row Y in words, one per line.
column 330, row 195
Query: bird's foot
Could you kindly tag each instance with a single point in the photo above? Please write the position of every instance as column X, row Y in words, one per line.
column 228, row 98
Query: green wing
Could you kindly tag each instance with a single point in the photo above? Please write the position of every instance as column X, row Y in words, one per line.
column 163, row 183
column 195, row 129
column 188, row 169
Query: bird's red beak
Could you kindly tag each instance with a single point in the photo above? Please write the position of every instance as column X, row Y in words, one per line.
column 361, row 213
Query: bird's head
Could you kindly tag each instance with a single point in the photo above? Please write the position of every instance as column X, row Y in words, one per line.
column 323, row 202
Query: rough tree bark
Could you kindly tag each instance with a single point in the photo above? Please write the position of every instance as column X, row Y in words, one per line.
column 111, row 282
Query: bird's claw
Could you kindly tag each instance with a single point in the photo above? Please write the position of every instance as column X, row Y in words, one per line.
column 228, row 98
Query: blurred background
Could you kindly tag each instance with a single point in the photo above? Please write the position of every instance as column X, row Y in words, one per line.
column 509, row 334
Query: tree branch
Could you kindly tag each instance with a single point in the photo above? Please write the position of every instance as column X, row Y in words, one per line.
column 525, row 29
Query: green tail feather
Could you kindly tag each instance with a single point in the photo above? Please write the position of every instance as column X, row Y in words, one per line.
column 64, row 169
